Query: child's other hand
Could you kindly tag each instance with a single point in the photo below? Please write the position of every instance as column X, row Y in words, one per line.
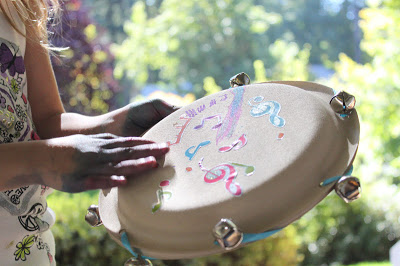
column 85, row 162
column 142, row 116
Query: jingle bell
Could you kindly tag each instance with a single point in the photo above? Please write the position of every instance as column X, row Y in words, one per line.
column 343, row 103
column 239, row 80
column 227, row 234
column 348, row 188
column 92, row 216
column 138, row 262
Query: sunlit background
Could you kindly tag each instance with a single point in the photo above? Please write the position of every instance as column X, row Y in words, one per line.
column 126, row 50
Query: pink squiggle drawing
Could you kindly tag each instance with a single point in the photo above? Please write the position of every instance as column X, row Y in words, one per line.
column 228, row 173
column 236, row 145
column 224, row 172
column 233, row 115
column 209, row 118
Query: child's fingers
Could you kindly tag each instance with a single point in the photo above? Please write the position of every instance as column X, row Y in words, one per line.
column 126, row 142
column 130, row 153
column 130, row 167
column 104, row 182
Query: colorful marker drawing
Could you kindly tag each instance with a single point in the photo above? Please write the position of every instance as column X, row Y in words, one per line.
column 223, row 97
column 233, row 115
column 209, row 118
column 271, row 108
column 213, row 102
column 201, row 108
column 236, row 145
column 182, row 129
column 249, row 170
column 226, row 172
column 190, row 154
column 161, row 196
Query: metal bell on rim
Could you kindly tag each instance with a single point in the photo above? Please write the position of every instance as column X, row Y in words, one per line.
column 227, row 234
column 92, row 216
column 138, row 262
column 239, row 80
column 348, row 188
column 343, row 103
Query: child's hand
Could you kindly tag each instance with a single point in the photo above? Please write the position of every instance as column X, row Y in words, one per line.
column 82, row 162
column 140, row 117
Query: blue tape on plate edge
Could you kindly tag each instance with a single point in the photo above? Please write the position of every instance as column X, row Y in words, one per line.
column 127, row 245
column 336, row 178
column 247, row 238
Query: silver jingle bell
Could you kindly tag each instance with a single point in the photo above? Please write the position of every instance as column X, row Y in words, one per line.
column 239, row 80
column 138, row 262
column 348, row 188
column 227, row 234
column 343, row 103
column 92, row 216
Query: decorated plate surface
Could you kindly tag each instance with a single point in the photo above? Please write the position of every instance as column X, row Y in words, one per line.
column 255, row 154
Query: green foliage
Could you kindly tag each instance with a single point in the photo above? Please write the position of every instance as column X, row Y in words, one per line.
column 290, row 62
column 77, row 243
column 191, row 40
column 336, row 232
column 280, row 249
column 210, row 86
column 377, row 82
column 330, row 27
column 110, row 14
column 365, row 230
column 84, row 71
column 376, row 85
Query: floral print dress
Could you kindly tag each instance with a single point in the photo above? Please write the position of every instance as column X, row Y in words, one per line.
column 25, row 237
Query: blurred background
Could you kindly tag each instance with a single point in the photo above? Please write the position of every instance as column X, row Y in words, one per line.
column 125, row 50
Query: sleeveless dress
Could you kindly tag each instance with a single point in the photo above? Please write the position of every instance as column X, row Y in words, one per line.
column 25, row 219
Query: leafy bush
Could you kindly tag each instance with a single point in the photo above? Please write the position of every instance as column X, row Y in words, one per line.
column 78, row 243
column 185, row 42
column 336, row 232
column 280, row 249
column 84, row 72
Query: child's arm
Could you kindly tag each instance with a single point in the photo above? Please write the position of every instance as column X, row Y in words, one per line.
column 52, row 121
column 77, row 162
column 131, row 120
column 72, row 163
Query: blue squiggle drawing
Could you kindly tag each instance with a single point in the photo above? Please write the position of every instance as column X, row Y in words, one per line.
column 190, row 154
column 271, row 108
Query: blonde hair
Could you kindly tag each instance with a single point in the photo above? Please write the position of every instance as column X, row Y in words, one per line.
column 35, row 14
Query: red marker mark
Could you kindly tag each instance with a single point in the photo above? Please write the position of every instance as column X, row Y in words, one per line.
column 164, row 183
column 280, row 136
column 182, row 129
column 188, row 169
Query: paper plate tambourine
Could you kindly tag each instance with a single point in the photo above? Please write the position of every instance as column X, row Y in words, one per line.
column 243, row 164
